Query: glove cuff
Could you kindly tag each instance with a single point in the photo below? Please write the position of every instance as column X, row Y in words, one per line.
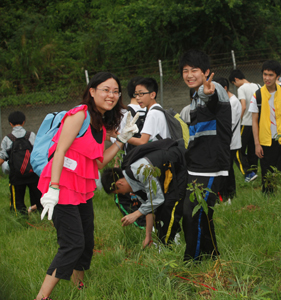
column 120, row 139
column 53, row 188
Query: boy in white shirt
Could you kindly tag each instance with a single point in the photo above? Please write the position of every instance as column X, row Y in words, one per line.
column 229, row 187
column 267, row 121
column 155, row 126
column 246, row 159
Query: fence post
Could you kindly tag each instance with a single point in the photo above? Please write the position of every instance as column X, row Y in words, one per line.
column 87, row 76
column 161, row 81
column 234, row 67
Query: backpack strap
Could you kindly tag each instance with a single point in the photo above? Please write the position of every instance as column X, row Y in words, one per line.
column 129, row 108
column 158, row 136
column 27, row 135
column 11, row 137
column 258, row 99
column 133, row 112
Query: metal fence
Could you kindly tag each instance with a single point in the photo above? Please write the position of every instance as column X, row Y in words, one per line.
column 174, row 92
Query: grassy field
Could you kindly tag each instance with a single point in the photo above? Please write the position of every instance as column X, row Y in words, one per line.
column 248, row 234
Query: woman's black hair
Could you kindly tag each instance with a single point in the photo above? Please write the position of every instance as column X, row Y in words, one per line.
column 111, row 118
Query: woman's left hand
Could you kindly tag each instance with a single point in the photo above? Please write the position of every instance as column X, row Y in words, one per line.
column 130, row 128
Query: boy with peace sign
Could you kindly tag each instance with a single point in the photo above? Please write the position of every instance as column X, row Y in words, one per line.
column 208, row 153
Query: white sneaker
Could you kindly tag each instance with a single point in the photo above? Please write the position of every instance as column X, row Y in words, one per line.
column 177, row 239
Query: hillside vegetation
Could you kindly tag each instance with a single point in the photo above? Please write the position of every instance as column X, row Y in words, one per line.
column 47, row 44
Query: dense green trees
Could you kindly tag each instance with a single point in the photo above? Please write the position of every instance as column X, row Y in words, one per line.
column 46, row 43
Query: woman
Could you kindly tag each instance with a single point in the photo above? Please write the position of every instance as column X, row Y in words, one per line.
column 68, row 180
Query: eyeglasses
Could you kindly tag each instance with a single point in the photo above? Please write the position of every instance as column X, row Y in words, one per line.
column 140, row 94
column 114, row 93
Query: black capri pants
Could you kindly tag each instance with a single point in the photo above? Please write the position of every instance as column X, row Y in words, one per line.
column 75, row 236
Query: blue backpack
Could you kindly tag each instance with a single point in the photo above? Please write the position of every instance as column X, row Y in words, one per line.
column 49, row 127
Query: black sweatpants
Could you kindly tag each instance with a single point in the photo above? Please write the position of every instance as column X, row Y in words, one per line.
column 197, row 235
column 168, row 217
column 17, row 196
column 228, row 189
column 271, row 158
column 75, row 235
column 246, row 158
column 169, row 214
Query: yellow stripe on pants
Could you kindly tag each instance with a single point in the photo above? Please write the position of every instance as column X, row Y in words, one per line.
column 13, row 197
column 171, row 223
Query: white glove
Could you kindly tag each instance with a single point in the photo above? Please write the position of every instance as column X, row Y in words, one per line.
column 5, row 168
column 129, row 129
column 48, row 201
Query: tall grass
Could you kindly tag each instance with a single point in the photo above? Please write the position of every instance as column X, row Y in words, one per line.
column 248, row 234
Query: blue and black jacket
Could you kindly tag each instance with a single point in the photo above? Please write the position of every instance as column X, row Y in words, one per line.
column 210, row 132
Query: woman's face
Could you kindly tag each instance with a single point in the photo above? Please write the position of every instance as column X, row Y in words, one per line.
column 105, row 95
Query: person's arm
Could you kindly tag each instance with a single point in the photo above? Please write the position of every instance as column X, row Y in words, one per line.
column 126, row 133
column 70, row 130
column 131, row 218
column 144, row 139
column 255, row 128
column 109, row 153
column 148, row 230
column 243, row 103
column 148, row 205
column 6, row 145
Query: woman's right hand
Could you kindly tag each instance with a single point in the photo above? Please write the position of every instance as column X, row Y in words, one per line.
column 49, row 201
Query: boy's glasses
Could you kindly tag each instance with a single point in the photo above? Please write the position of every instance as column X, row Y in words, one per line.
column 140, row 94
column 114, row 93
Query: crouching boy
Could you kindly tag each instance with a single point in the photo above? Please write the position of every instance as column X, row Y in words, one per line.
column 165, row 199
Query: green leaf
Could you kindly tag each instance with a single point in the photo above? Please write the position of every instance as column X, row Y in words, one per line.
column 191, row 197
column 195, row 209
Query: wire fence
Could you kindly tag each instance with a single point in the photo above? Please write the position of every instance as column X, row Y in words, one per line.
column 174, row 92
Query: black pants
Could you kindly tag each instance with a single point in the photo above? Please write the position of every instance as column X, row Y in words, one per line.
column 246, row 158
column 229, row 184
column 75, row 232
column 197, row 234
column 18, row 193
column 271, row 158
column 169, row 214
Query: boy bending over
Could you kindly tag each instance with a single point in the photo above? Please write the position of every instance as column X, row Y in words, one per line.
column 167, row 202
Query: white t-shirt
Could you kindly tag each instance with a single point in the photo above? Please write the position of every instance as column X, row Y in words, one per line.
column 155, row 123
column 246, row 92
column 236, row 109
column 254, row 109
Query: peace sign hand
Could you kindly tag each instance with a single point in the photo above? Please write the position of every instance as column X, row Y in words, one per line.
column 209, row 87
column 130, row 128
